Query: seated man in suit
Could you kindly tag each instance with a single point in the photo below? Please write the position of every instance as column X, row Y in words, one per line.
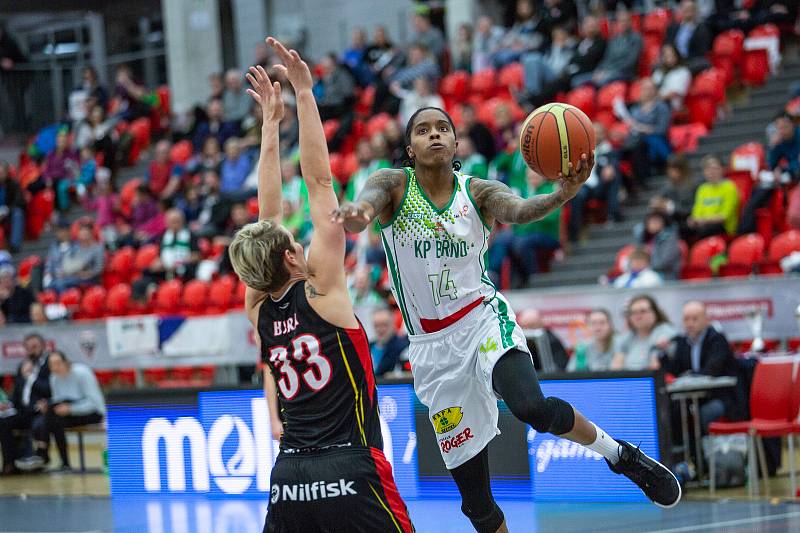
column 703, row 350
column 388, row 344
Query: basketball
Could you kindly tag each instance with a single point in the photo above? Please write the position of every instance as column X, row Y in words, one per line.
column 553, row 136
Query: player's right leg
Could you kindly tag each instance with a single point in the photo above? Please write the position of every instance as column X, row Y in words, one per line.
column 477, row 502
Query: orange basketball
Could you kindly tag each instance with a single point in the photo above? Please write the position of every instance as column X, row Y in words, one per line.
column 553, row 136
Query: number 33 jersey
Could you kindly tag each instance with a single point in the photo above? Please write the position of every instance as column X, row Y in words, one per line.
column 326, row 387
column 436, row 257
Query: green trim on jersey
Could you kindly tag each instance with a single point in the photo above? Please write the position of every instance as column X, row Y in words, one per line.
column 475, row 204
column 401, row 301
column 430, row 202
column 506, row 324
column 400, row 205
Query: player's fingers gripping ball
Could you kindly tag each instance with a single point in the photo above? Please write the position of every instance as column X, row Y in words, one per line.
column 553, row 136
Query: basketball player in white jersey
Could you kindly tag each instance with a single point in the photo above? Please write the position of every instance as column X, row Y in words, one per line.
column 466, row 348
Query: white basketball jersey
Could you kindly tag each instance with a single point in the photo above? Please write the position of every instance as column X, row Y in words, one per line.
column 436, row 257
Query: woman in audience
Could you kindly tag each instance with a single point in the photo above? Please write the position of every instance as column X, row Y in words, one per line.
column 596, row 354
column 661, row 241
column 98, row 132
column 60, row 164
column 672, row 77
column 648, row 122
column 649, row 332
column 462, row 49
column 676, row 197
column 422, row 95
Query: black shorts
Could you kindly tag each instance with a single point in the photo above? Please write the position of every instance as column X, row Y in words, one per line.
column 345, row 490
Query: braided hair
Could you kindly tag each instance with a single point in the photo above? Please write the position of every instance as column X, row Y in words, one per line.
column 410, row 127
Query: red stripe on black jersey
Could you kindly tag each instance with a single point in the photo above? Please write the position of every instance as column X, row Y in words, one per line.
column 358, row 337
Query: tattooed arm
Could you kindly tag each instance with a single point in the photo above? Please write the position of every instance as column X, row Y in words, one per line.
column 497, row 202
column 377, row 198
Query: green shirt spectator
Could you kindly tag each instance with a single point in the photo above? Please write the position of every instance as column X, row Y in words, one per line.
column 360, row 176
column 718, row 201
column 472, row 163
column 511, row 170
column 550, row 224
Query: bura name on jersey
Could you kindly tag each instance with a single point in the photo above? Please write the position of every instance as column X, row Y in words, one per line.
column 442, row 248
column 282, row 327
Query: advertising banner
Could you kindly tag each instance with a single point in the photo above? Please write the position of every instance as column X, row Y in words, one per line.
column 223, row 446
column 132, row 335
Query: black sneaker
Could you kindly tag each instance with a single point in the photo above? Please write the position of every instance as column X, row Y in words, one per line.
column 656, row 480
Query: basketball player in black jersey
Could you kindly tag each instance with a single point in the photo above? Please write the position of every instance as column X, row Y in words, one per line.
column 331, row 474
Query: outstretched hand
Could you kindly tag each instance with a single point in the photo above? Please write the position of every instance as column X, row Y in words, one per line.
column 353, row 216
column 266, row 93
column 577, row 176
column 295, row 69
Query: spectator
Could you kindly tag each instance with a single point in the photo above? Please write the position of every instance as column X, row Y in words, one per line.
column 506, row 128
column 480, row 135
column 648, row 122
column 98, row 133
column 163, row 176
column 703, row 350
column 235, row 167
column 12, row 208
column 428, row 35
column 621, row 56
column 676, row 197
column 105, row 203
column 87, row 95
column 216, row 85
column 362, row 293
column 179, row 250
column 639, row 274
column 596, row 354
column 78, row 185
column 525, row 242
column 239, row 218
column 289, row 130
column 190, row 203
column 56, row 253
column 783, row 158
column 337, row 89
column 529, row 33
column 144, row 209
column 716, row 203
column 420, row 96
column 15, row 300
column 544, row 345
column 691, row 37
column 60, row 164
column 510, row 168
column 76, row 401
column 214, row 210
column 367, row 164
column 562, row 13
column 387, row 345
column 251, row 130
column 462, row 48
column 31, row 386
column 472, row 163
column 235, row 101
column 380, row 53
column 82, row 262
column 649, row 333
column 603, row 184
column 38, row 316
column 131, row 96
column 420, row 64
column 793, row 208
column 209, row 158
column 672, row 77
column 485, row 42
column 215, row 126
column 543, row 69
column 660, row 240
column 354, row 57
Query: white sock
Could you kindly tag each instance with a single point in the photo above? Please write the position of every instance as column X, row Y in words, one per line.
column 605, row 445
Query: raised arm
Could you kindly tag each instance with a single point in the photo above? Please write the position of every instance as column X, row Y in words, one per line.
column 326, row 252
column 375, row 199
column 268, row 95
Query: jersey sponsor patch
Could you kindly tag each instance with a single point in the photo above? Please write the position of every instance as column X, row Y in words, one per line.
column 447, row 444
column 447, row 420
column 306, row 492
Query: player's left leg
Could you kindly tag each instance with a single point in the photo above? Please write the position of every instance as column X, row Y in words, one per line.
column 477, row 502
column 514, row 378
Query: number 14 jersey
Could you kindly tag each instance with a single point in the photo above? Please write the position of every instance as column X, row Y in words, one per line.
column 326, row 387
column 437, row 257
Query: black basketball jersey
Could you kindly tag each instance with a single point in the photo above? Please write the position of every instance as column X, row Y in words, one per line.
column 326, row 387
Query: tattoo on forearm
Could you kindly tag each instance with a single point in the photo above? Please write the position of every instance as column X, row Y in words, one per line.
column 377, row 191
column 498, row 202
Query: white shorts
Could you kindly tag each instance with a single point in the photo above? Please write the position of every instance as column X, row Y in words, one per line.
column 453, row 377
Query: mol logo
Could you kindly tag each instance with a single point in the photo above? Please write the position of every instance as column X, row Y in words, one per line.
column 252, row 459
column 489, row 345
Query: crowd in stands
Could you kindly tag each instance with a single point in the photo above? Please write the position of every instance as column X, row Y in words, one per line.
column 638, row 76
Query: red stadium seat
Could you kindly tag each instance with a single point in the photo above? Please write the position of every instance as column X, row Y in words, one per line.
column 168, row 297
column 584, row 99
column 105, row 377
column 153, row 376
column 39, row 211
column 377, row 124
column 71, row 299
column 238, row 296
column 206, row 373
column 749, row 156
column 126, row 377
column 483, row 84
column 183, row 373
column 704, row 249
column 621, row 261
column 651, row 53
column 330, row 127
column 195, row 296
column 26, row 267
column 47, row 297
column 686, row 137
column 454, row 87
column 608, row 94
column 252, row 206
column 365, row 100
column 93, row 303
column 726, row 52
column 146, row 255
column 710, row 82
column 337, row 166
column 744, row 184
column 617, row 133
column 181, row 152
column 784, row 244
column 121, row 267
column 126, row 195
column 220, row 295
column 512, row 76
column 655, row 23
column 702, row 109
column 743, row 254
column 118, row 300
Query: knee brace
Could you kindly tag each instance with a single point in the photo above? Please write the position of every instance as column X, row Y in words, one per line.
column 489, row 523
column 551, row 415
